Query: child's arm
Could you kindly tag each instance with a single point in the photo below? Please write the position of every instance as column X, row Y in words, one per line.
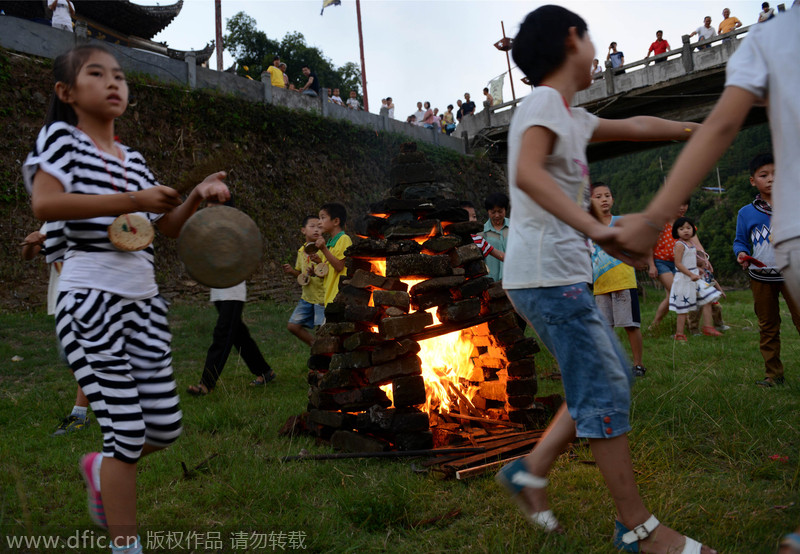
column 290, row 270
column 678, row 250
column 211, row 187
column 534, row 180
column 640, row 231
column 499, row 254
column 336, row 263
column 51, row 203
column 32, row 245
column 741, row 245
column 643, row 128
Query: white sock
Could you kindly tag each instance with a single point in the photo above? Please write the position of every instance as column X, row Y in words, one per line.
column 79, row 411
column 96, row 470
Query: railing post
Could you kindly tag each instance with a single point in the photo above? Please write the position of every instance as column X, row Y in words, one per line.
column 323, row 97
column 686, row 55
column 191, row 70
column 608, row 77
column 266, row 82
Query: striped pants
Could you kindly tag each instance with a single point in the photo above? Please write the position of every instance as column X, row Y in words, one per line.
column 119, row 351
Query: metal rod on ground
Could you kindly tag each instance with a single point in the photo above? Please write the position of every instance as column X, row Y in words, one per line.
column 392, row 454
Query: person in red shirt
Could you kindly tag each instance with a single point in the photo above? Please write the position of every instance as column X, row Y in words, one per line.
column 659, row 47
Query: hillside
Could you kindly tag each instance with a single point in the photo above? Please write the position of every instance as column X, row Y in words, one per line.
column 282, row 165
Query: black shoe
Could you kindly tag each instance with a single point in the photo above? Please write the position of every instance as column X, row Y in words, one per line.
column 266, row 378
column 639, row 371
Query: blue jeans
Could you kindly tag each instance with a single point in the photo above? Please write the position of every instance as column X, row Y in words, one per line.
column 595, row 371
column 308, row 315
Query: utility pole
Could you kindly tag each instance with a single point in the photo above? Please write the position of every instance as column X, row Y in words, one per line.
column 361, row 47
column 218, row 22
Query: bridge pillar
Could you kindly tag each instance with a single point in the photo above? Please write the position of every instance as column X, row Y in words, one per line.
column 191, row 70
column 686, row 55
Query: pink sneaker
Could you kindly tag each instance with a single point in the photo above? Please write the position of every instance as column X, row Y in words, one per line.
column 95, row 501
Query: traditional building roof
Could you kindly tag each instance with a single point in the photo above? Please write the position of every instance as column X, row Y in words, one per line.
column 117, row 21
column 122, row 16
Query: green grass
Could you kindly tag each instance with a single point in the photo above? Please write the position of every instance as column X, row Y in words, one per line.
column 702, row 438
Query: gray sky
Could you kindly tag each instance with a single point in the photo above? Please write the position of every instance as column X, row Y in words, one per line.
column 438, row 49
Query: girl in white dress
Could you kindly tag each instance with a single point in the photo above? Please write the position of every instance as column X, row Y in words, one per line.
column 689, row 290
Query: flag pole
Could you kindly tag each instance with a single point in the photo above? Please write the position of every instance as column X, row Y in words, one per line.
column 361, row 47
column 218, row 25
column 508, row 60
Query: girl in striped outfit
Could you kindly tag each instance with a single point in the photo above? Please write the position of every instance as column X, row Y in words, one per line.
column 110, row 317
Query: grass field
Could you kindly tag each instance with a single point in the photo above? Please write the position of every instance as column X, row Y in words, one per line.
column 704, row 438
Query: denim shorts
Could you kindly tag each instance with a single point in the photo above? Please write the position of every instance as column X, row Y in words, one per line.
column 308, row 315
column 595, row 371
column 663, row 266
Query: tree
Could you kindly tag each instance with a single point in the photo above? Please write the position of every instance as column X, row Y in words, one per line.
column 254, row 52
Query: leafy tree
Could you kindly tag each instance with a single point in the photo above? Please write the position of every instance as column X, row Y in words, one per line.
column 254, row 51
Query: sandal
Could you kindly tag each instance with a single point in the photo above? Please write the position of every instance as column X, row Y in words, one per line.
column 680, row 337
column 627, row 540
column 711, row 332
column 263, row 380
column 791, row 542
column 197, row 390
column 515, row 477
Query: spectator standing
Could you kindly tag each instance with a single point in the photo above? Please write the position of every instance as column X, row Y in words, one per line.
column 352, row 102
column 437, row 120
column 728, row 23
column 419, row 115
column 448, row 120
column 275, row 73
column 63, row 12
column 335, row 98
column 311, row 88
column 282, row 67
column 489, row 102
column 468, row 107
column 384, row 111
column 766, row 13
column 597, row 71
column 660, row 45
column 705, row 33
column 427, row 117
column 617, row 58
column 459, row 113
column 390, row 106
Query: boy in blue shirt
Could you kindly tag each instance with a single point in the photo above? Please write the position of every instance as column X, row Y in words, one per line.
column 495, row 230
column 754, row 241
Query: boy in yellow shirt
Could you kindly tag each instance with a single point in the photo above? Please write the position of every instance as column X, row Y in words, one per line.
column 310, row 310
column 332, row 218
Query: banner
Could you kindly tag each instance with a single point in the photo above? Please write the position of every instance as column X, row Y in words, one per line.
column 326, row 3
column 496, row 89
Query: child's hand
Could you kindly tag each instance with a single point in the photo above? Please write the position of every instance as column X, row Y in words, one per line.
column 694, row 277
column 214, row 188
column 287, row 268
column 157, row 200
column 652, row 271
column 742, row 260
column 315, row 258
column 320, row 243
column 637, row 235
column 34, row 238
column 605, row 237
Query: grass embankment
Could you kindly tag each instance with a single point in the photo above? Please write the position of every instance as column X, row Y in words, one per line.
column 703, row 440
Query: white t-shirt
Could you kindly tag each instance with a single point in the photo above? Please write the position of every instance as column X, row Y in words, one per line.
column 705, row 33
column 90, row 260
column 419, row 114
column 543, row 251
column 237, row 293
column 337, row 100
column 61, row 13
column 766, row 65
column 353, row 103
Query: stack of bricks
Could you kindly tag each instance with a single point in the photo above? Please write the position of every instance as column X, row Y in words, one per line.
column 370, row 338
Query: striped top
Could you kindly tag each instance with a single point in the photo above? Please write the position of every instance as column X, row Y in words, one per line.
column 483, row 244
column 90, row 260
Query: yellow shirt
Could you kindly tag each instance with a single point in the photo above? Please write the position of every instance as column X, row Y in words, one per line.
column 337, row 245
column 275, row 76
column 313, row 292
column 620, row 277
column 728, row 25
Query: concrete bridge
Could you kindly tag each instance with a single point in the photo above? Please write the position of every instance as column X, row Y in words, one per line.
column 683, row 84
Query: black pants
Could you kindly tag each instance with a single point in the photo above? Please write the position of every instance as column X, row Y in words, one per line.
column 231, row 331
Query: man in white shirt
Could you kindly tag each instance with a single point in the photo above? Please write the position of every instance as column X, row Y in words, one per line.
column 705, row 33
